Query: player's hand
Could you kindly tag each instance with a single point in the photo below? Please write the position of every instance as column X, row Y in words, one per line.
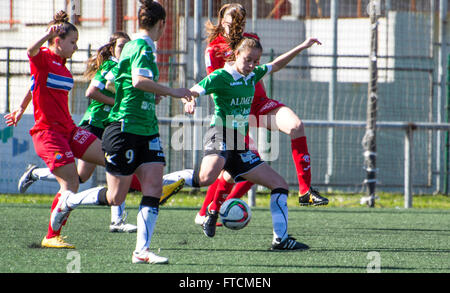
column 14, row 117
column 311, row 41
column 182, row 93
column 158, row 99
column 55, row 30
column 189, row 106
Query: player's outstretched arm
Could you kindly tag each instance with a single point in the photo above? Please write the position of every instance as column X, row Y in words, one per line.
column 145, row 84
column 281, row 61
column 14, row 117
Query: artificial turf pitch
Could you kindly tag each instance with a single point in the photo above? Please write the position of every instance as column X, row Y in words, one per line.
column 341, row 240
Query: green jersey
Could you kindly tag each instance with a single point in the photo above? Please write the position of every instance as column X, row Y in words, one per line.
column 232, row 94
column 134, row 108
column 97, row 111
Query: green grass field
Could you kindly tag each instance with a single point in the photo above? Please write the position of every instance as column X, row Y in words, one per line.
column 342, row 239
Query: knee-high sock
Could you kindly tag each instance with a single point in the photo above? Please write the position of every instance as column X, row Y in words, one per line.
column 208, row 197
column 92, row 196
column 279, row 211
column 222, row 191
column 146, row 221
column 240, row 189
column 301, row 158
column 117, row 213
column 43, row 174
column 50, row 232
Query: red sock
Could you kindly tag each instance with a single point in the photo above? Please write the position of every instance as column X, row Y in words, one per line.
column 135, row 184
column 222, row 191
column 240, row 189
column 209, row 197
column 301, row 158
column 50, row 232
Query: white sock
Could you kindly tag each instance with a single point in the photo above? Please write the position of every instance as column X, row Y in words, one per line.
column 43, row 174
column 279, row 211
column 146, row 222
column 87, row 197
column 117, row 213
column 186, row 174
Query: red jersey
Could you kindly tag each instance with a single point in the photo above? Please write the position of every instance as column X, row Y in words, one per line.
column 216, row 54
column 52, row 83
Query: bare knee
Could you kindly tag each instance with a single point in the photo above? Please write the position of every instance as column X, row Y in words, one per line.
column 297, row 129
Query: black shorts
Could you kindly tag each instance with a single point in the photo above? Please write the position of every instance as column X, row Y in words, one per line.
column 125, row 152
column 230, row 145
column 97, row 131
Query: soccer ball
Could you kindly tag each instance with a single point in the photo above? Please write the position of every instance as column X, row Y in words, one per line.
column 235, row 214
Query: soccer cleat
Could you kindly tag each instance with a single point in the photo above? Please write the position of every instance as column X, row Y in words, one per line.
column 122, row 226
column 60, row 212
column 288, row 244
column 148, row 257
column 27, row 179
column 171, row 189
column 199, row 220
column 312, row 197
column 209, row 226
column 56, row 242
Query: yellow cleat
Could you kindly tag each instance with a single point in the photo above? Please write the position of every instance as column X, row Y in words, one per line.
column 170, row 189
column 56, row 242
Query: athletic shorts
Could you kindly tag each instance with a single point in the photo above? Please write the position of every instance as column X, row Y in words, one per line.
column 57, row 149
column 230, row 145
column 97, row 131
column 262, row 106
column 125, row 152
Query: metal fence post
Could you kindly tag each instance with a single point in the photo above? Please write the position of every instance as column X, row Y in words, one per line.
column 8, row 76
column 408, row 167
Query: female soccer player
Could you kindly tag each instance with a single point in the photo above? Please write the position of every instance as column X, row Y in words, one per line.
column 232, row 89
column 56, row 138
column 102, row 100
column 222, row 38
column 131, row 138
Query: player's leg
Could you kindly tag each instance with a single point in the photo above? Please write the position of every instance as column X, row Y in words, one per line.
column 288, row 122
column 264, row 175
column 150, row 176
column 65, row 175
column 200, row 217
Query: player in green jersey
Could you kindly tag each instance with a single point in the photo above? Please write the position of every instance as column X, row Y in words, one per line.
column 131, row 138
column 232, row 89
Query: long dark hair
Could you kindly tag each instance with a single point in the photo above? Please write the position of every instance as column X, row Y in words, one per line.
column 150, row 13
column 103, row 53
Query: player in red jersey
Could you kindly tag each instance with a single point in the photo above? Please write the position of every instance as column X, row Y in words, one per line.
column 56, row 138
column 221, row 38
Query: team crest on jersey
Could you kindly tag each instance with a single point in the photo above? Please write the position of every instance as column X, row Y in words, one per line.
column 58, row 156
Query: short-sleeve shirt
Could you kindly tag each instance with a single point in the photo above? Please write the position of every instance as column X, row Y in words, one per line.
column 233, row 94
column 216, row 54
column 51, row 85
column 134, row 108
column 97, row 111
